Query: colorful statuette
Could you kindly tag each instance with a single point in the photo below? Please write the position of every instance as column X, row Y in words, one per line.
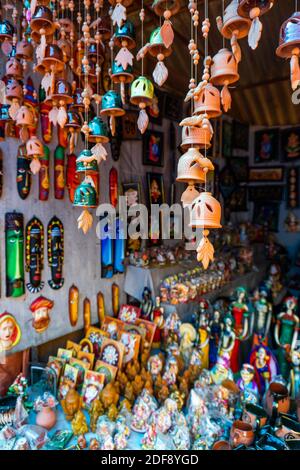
column 34, row 254
column 40, row 309
column 23, row 173
column 14, row 243
column 242, row 325
column 44, row 178
column 59, row 180
column 55, row 244
column 286, row 333
column 10, row 332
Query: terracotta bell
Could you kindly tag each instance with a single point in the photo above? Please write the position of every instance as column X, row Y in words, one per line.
column 197, row 137
column 104, row 27
column 42, row 19
column 245, row 6
column 14, row 90
column 156, row 44
column 73, row 120
column 77, row 104
column 85, row 194
column 208, row 102
column 66, row 49
column 34, row 147
column 14, row 68
column 192, row 167
column 53, row 58
column 206, row 212
column 112, row 104
column 98, row 131
column 96, row 52
column 142, row 91
column 224, row 68
column 6, row 30
column 24, row 50
column 233, row 23
column 25, row 117
column 289, row 46
column 62, row 91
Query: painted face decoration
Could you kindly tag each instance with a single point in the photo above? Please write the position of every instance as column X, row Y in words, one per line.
column 40, row 309
column 55, row 243
column 14, row 244
column 34, row 254
column 23, row 173
column 10, row 332
column 44, row 181
column 59, row 180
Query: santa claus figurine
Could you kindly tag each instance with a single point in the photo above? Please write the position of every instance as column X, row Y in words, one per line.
column 40, row 308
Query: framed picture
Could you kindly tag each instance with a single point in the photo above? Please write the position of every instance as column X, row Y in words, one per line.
column 131, row 344
column 157, row 108
column 240, row 136
column 74, row 347
column 129, row 313
column 265, row 193
column 266, row 174
column 81, row 366
column 153, row 148
column 266, row 213
column 86, row 345
column 96, row 336
column 130, row 129
column 112, row 326
column 237, row 202
column 92, row 386
column 173, row 108
column 108, row 370
column 132, row 192
column 227, row 181
column 240, row 168
column 266, row 145
column 290, row 144
column 65, row 354
column 227, row 132
column 68, row 381
column 57, row 365
column 88, row 358
column 292, row 186
column 156, row 191
column 149, row 327
column 112, row 352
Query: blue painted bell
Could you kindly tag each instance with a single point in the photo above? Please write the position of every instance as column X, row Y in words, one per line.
column 112, row 104
column 73, row 120
column 120, row 74
column 86, row 162
column 4, row 113
column 98, row 131
column 125, row 34
column 85, row 194
column 6, row 30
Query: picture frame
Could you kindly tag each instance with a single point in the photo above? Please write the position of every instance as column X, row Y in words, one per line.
column 64, row 354
column 292, row 187
column 112, row 352
column 272, row 174
column 263, row 193
column 153, row 148
column 266, row 145
column 87, row 357
column 74, row 347
column 149, row 328
column 129, row 313
column 130, row 129
column 96, row 336
column 227, row 133
column 81, row 366
column 238, row 200
column 57, row 365
column 266, row 213
column 241, row 133
column 155, row 188
column 240, row 168
column 132, row 192
column 92, row 387
column 86, row 345
column 290, row 144
column 107, row 370
column 67, row 381
column 131, row 344
column 111, row 326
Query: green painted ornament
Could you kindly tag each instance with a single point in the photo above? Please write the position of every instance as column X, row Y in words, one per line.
column 142, row 92
column 112, row 107
column 120, row 74
column 125, row 32
column 85, row 194
column 86, row 162
column 98, row 130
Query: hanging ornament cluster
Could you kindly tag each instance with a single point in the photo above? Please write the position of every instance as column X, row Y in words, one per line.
column 122, row 66
column 289, row 46
column 193, row 166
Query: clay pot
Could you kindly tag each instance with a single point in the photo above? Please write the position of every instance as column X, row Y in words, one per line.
column 279, row 392
column 46, row 417
column 254, row 415
column 221, row 445
column 241, row 433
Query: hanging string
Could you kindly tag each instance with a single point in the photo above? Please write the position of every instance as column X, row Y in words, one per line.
column 206, row 54
column 196, row 65
column 223, row 11
column 142, row 28
column 111, row 51
column 86, row 76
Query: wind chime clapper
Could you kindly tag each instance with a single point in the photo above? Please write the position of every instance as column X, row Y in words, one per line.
column 254, row 9
column 234, row 27
column 289, row 46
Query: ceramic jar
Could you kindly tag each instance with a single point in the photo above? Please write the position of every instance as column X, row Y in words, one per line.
column 46, row 417
column 241, row 433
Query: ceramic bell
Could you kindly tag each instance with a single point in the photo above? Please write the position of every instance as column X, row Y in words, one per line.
column 158, row 49
column 25, row 119
column 98, row 130
column 63, row 96
column 208, row 102
column 6, row 30
column 189, row 169
column 13, row 67
column 14, row 96
column 53, row 58
column 24, row 50
column 253, row 9
column 159, row 6
column 224, row 71
column 142, row 91
column 112, row 106
column 4, row 113
column 66, row 49
column 73, row 126
column 104, row 27
column 126, row 33
column 233, row 27
column 42, row 19
column 85, row 196
column 197, row 137
column 77, row 104
column 122, row 76
column 86, row 162
column 34, row 150
column 289, row 46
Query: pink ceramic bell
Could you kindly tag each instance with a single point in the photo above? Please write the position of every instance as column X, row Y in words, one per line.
column 25, row 119
column 14, row 69
column 14, row 96
column 253, row 9
column 208, row 101
column 289, row 46
column 197, row 137
column 224, row 71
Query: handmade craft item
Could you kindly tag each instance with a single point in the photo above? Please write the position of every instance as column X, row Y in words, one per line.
column 10, row 332
column 72, row 177
column 23, row 173
column 294, row 378
column 122, row 66
column 34, row 249
column 44, row 178
column 224, row 72
column 14, row 252
column 115, row 298
column 100, row 307
column 59, row 180
column 92, row 387
column 265, row 366
column 289, row 46
column 86, row 314
column 262, row 318
column 253, row 9
column 242, row 325
column 40, row 309
column 73, row 305
column 55, row 248
column 286, row 333
column 35, row 151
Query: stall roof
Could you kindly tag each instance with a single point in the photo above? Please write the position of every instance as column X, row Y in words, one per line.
column 263, row 94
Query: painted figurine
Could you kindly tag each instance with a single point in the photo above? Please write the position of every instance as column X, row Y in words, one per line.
column 294, row 381
column 246, row 382
column 227, row 340
column 147, row 304
column 34, row 254
column 203, row 339
column 71, row 404
column 171, row 371
column 242, row 326
column 215, row 327
column 286, row 333
column 188, row 336
column 262, row 317
column 10, row 332
column 265, row 367
column 40, row 309
column 79, row 425
column 23, row 172
column 14, row 244
column 55, row 245
column 59, row 180
column 171, row 330
column 157, row 317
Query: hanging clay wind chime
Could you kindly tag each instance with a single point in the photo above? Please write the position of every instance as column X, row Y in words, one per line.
column 167, row 10
column 289, row 46
column 122, row 67
column 253, row 9
column 224, row 72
